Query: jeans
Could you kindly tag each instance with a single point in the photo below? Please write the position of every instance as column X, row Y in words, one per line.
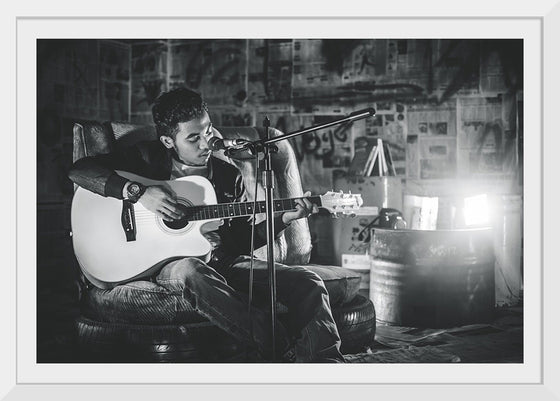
column 221, row 296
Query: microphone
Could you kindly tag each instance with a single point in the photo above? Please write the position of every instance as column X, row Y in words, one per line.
column 216, row 143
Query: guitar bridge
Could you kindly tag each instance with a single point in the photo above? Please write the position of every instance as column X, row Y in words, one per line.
column 128, row 220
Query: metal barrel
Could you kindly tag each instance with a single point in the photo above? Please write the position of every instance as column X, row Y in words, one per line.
column 436, row 278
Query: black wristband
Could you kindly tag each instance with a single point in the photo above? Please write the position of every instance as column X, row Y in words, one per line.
column 114, row 186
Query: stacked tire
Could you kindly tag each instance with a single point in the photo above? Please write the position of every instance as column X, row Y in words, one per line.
column 203, row 341
column 356, row 324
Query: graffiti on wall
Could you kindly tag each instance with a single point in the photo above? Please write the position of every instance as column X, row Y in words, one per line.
column 214, row 68
column 409, row 82
column 487, row 138
column 149, row 74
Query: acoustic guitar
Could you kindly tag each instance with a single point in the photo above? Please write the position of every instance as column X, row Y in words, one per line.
column 116, row 241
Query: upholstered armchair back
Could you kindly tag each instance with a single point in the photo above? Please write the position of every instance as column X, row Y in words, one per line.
column 293, row 247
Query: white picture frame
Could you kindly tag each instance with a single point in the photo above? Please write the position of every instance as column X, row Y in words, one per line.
column 22, row 378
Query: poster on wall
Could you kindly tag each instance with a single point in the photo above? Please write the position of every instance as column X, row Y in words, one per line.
column 270, row 71
column 487, row 136
column 437, row 157
column 431, row 119
column 431, row 141
column 314, row 83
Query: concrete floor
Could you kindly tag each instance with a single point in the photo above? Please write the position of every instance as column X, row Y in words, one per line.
column 500, row 341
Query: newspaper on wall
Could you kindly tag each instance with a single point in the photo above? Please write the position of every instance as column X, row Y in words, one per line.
column 487, row 137
column 431, row 142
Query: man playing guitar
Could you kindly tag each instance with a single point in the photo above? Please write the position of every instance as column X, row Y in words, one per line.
column 216, row 287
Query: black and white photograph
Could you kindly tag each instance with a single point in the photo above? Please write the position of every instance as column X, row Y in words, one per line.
column 341, row 207
column 139, row 262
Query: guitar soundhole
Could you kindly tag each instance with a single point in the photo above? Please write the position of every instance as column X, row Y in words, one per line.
column 178, row 224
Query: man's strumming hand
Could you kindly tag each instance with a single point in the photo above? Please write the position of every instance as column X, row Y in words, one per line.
column 162, row 202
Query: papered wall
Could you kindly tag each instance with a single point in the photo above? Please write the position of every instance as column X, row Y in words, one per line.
column 450, row 110
column 76, row 80
column 447, row 108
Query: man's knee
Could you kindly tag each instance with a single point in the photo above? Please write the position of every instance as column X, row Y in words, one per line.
column 309, row 282
column 312, row 277
column 182, row 270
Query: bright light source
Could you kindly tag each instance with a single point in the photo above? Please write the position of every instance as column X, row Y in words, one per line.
column 476, row 210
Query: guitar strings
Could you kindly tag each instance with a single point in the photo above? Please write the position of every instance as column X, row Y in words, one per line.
column 143, row 216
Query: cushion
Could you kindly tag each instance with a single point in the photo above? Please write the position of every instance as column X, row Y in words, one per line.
column 342, row 284
column 145, row 302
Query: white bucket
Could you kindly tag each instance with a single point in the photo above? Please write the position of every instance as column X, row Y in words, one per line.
column 420, row 212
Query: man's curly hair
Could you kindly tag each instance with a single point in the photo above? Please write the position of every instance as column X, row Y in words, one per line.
column 176, row 106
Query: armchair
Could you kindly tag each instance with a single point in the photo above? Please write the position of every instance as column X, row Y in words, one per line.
column 153, row 325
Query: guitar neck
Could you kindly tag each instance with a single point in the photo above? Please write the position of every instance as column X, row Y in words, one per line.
column 237, row 209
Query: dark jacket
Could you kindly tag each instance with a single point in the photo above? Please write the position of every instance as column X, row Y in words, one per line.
column 152, row 160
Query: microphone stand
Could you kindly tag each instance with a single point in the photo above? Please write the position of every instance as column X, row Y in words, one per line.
column 268, row 184
column 267, row 147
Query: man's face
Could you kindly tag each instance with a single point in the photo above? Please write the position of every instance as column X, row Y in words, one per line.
column 190, row 143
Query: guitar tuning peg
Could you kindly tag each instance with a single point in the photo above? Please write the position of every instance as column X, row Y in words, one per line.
column 334, row 216
column 352, row 214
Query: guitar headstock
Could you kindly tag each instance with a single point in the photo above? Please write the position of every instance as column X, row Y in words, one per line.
column 341, row 204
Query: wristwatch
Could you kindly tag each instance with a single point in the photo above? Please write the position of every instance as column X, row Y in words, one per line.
column 134, row 191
